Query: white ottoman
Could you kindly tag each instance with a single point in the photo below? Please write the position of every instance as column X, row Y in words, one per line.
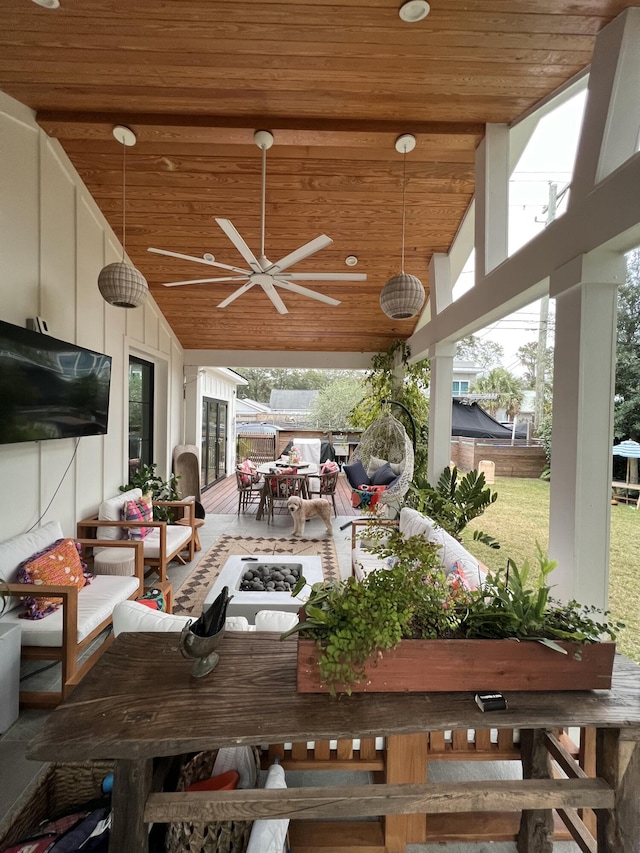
column 115, row 561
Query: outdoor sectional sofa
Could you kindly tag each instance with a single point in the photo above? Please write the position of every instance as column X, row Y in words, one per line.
column 412, row 523
column 63, row 634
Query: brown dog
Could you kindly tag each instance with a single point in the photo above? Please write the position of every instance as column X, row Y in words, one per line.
column 302, row 509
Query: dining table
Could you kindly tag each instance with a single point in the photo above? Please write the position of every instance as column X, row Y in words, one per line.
column 278, row 466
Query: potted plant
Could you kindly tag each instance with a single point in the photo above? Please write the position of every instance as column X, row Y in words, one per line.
column 410, row 627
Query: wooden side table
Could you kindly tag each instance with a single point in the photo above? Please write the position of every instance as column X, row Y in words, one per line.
column 197, row 523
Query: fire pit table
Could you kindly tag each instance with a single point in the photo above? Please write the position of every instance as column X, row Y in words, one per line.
column 247, row 602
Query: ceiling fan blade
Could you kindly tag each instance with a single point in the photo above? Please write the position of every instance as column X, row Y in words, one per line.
column 274, row 296
column 232, row 233
column 197, row 260
column 204, row 280
column 325, row 276
column 300, row 254
column 304, row 291
column 236, row 293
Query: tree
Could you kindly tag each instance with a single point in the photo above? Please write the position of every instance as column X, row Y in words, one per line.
column 486, row 354
column 506, row 387
column 627, row 393
column 381, row 383
column 262, row 380
column 528, row 357
column 334, row 403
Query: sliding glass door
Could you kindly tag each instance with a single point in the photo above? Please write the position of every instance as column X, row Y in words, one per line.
column 214, row 441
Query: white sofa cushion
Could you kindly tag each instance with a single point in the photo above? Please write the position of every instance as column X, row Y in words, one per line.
column 95, row 605
column 277, row 621
column 177, row 536
column 18, row 549
column 414, row 523
column 364, row 562
column 111, row 510
column 131, row 616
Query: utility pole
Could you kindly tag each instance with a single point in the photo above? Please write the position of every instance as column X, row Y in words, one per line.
column 541, row 356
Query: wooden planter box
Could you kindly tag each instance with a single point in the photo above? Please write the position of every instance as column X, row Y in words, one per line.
column 436, row 666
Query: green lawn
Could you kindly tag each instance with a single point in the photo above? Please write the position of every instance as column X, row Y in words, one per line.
column 520, row 517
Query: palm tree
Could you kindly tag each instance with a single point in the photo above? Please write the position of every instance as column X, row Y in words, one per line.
column 506, row 387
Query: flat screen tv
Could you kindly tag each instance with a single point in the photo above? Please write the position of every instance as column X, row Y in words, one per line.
column 49, row 388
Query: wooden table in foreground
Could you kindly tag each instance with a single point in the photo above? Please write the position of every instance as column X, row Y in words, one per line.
column 140, row 703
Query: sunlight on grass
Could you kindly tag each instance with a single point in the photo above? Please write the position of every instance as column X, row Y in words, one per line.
column 520, row 517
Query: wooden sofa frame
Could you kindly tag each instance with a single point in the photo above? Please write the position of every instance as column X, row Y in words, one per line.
column 458, row 745
column 88, row 529
column 69, row 651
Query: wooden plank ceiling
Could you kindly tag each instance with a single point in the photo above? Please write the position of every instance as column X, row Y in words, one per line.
column 336, row 81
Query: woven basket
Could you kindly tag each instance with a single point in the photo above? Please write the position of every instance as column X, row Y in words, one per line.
column 57, row 790
column 230, row 836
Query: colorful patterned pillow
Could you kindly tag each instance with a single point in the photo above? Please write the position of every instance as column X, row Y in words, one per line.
column 59, row 564
column 140, row 510
column 250, row 474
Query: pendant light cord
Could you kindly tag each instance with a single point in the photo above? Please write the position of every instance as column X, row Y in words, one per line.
column 404, row 185
column 124, row 195
column 263, row 199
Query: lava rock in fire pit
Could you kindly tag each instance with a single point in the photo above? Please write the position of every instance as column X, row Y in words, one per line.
column 271, row 578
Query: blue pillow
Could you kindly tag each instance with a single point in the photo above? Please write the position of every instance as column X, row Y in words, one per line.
column 356, row 474
column 383, row 476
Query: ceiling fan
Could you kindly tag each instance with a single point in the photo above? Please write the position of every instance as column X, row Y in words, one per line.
column 263, row 272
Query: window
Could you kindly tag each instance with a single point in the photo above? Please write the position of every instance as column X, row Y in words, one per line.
column 140, row 413
column 460, row 387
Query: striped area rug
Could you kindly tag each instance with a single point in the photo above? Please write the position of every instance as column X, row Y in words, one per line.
column 190, row 596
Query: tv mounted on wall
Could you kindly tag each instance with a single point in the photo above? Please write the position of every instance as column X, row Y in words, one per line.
column 50, row 388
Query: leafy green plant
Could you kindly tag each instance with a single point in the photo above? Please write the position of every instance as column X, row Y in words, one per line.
column 353, row 621
column 148, row 479
column 454, row 502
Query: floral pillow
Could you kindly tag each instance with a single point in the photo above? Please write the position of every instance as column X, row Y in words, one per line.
column 250, row 474
column 139, row 510
column 329, row 467
column 59, row 564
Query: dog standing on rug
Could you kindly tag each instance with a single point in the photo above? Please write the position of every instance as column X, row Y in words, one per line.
column 302, row 509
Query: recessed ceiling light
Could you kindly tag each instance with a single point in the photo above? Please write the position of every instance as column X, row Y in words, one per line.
column 48, row 4
column 351, row 260
column 414, row 10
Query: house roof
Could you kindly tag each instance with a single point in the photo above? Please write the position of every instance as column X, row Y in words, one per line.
column 336, row 81
column 284, row 400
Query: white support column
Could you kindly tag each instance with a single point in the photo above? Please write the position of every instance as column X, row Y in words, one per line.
column 583, row 387
column 440, row 285
column 492, row 200
column 440, row 415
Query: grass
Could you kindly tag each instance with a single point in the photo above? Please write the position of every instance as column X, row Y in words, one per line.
column 520, row 517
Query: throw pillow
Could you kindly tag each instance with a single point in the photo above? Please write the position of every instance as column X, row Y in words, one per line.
column 139, row 510
column 329, row 467
column 59, row 564
column 356, row 474
column 383, row 476
column 248, row 473
column 374, row 464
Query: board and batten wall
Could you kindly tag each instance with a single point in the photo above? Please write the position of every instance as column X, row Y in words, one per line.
column 53, row 243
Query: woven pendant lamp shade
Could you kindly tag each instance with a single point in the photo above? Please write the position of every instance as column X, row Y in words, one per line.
column 122, row 285
column 402, row 296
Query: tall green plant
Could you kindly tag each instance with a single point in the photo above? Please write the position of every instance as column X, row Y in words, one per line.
column 453, row 503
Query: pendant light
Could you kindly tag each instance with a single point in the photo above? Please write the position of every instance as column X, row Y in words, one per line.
column 402, row 297
column 119, row 283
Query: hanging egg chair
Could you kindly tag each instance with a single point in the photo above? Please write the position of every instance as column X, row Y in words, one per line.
column 386, row 439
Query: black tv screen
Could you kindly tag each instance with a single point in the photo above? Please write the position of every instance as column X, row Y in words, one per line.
column 49, row 388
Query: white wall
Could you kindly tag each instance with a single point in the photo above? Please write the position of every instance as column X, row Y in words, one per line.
column 53, row 243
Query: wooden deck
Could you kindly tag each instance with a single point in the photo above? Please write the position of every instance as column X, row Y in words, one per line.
column 222, row 498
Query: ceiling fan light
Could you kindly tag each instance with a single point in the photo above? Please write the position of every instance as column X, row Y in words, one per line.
column 122, row 285
column 402, row 297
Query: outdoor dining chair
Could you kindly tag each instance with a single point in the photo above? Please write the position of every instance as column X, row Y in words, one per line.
column 324, row 486
column 280, row 487
column 249, row 490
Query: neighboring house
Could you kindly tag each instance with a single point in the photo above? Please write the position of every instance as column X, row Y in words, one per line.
column 291, row 406
column 465, row 374
column 251, row 410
